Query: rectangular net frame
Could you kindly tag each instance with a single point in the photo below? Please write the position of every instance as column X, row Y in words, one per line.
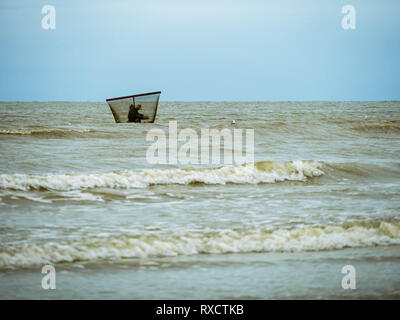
column 145, row 103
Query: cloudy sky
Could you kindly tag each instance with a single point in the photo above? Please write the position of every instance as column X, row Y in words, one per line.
column 200, row 50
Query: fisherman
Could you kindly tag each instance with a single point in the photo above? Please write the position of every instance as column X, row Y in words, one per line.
column 134, row 115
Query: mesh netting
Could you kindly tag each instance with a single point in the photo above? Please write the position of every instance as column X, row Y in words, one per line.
column 136, row 108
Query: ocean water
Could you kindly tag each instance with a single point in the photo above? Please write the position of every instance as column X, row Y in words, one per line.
column 77, row 192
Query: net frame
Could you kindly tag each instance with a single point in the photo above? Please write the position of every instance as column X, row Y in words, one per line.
column 134, row 99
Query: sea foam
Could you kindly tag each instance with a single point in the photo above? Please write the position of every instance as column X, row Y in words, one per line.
column 261, row 172
column 94, row 248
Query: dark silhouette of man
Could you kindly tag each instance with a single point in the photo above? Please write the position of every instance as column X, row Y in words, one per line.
column 134, row 115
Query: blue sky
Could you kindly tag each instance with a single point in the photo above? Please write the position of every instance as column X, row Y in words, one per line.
column 200, row 50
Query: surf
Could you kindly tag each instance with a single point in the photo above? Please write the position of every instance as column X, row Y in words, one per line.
column 98, row 247
column 261, row 172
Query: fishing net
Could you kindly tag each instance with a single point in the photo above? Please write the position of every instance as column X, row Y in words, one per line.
column 145, row 104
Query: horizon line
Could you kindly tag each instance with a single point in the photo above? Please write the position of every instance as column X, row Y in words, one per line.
column 93, row 101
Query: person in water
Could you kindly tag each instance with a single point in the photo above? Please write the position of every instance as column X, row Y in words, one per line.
column 134, row 115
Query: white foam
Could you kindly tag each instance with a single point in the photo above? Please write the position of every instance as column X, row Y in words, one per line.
column 264, row 172
column 95, row 248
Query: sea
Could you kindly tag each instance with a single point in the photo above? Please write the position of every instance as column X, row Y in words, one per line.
column 315, row 216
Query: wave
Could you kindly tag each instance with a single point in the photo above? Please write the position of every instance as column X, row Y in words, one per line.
column 365, row 121
column 46, row 132
column 354, row 170
column 378, row 128
column 97, row 248
column 261, row 172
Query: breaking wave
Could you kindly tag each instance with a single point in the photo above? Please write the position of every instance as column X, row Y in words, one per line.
column 97, row 248
column 261, row 172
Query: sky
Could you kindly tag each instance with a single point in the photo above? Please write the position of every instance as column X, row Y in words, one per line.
column 200, row 50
